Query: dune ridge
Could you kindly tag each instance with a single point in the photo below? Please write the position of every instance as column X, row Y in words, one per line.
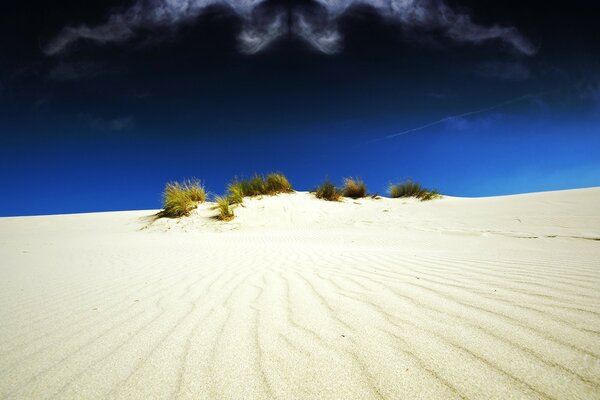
column 299, row 298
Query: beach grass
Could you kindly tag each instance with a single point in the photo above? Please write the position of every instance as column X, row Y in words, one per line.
column 258, row 185
column 276, row 183
column 180, row 198
column 412, row 189
column 235, row 193
column 354, row 188
column 328, row 191
column 224, row 208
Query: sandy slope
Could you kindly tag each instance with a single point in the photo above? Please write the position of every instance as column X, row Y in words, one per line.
column 302, row 299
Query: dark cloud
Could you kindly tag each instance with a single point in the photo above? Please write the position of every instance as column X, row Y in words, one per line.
column 263, row 22
column 318, row 29
column 433, row 15
column 152, row 14
column 261, row 29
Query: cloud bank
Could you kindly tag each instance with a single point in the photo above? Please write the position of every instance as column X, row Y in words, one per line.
column 124, row 24
column 263, row 22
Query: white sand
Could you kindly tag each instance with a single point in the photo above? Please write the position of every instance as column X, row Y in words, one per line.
column 298, row 298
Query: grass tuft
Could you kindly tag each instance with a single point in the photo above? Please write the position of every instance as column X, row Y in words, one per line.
column 180, row 198
column 235, row 193
column 224, row 208
column 430, row 195
column 354, row 188
column 254, row 186
column 258, row 185
column 413, row 189
column 276, row 183
column 328, row 191
column 195, row 190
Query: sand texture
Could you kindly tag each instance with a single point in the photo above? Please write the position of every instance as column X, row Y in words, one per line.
column 299, row 298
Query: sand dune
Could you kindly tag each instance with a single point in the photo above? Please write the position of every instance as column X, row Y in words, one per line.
column 298, row 298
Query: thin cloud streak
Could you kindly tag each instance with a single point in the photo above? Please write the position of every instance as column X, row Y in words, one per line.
column 463, row 115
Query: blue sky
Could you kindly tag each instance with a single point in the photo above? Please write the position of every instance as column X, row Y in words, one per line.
column 483, row 155
column 98, row 110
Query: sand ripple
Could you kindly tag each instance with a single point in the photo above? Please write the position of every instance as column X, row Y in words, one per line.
column 432, row 301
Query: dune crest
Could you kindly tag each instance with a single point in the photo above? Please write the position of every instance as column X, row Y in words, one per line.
column 299, row 298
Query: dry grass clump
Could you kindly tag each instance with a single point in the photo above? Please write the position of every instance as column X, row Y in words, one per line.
column 180, row 198
column 224, row 208
column 328, row 191
column 413, row 189
column 354, row 188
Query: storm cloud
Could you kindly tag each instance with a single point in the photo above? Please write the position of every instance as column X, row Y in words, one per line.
column 263, row 22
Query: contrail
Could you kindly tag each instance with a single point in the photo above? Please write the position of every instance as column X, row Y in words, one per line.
column 466, row 114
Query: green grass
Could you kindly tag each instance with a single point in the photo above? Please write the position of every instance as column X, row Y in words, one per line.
column 254, row 186
column 354, row 188
column 195, row 190
column 258, row 185
column 180, row 198
column 413, row 189
column 328, row 191
column 224, row 208
column 235, row 193
column 276, row 183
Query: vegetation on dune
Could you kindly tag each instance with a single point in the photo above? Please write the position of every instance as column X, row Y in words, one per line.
column 430, row 195
column 413, row 189
column 195, row 190
column 180, row 198
column 254, row 186
column 258, row 185
column 276, row 183
column 328, row 191
column 238, row 189
column 224, row 208
column 235, row 193
column 354, row 188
